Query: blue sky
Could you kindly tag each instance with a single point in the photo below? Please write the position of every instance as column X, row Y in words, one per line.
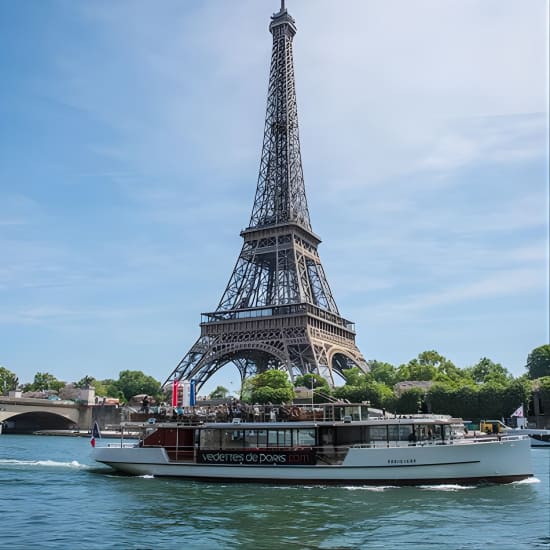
column 130, row 142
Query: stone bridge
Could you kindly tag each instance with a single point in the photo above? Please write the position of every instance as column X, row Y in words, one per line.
column 25, row 415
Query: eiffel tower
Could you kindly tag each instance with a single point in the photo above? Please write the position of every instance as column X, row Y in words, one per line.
column 277, row 311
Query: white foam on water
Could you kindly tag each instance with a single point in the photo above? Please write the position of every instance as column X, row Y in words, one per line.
column 45, row 463
column 447, row 487
column 527, row 481
column 373, row 488
column 147, row 476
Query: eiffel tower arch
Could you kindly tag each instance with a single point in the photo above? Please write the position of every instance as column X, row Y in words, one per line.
column 277, row 311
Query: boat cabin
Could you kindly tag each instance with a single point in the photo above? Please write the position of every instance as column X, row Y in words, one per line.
column 300, row 442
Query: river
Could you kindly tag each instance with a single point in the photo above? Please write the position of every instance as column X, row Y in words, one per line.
column 52, row 495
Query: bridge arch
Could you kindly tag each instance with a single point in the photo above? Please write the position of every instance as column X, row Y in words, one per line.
column 32, row 421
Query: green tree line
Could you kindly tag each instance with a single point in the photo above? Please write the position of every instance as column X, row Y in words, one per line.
column 484, row 390
column 128, row 384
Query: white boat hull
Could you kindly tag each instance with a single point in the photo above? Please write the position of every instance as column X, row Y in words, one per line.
column 460, row 462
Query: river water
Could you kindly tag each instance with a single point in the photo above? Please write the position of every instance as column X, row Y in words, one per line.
column 52, row 495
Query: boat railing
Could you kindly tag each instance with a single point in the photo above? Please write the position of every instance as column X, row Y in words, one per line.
column 386, row 444
column 227, row 412
column 488, row 439
column 436, row 442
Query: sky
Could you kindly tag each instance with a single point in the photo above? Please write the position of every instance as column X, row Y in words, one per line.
column 130, row 140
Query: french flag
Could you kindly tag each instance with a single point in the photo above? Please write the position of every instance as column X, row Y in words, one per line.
column 96, row 434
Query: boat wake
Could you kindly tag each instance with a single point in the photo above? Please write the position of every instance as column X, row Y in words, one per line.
column 447, row 487
column 74, row 464
column 372, row 488
column 528, row 481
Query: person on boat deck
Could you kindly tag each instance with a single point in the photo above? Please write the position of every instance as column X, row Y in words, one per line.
column 145, row 405
column 412, row 438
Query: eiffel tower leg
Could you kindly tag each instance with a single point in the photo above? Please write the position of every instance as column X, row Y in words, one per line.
column 192, row 357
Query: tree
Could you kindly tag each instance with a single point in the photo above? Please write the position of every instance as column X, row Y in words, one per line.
column 219, row 393
column 541, row 392
column 411, row 401
column 425, row 367
column 441, row 398
column 85, row 382
column 538, row 362
column 414, row 370
column 310, row 380
column 353, row 394
column 517, row 392
column 383, row 372
column 135, row 382
column 271, row 386
column 44, row 381
column 8, row 380
column 365, row 389
column 491, row 397
column 321, row 389
column 486, row 371
column 266, row 394
column 354, row 376
column 110, row 389
column 245, row 392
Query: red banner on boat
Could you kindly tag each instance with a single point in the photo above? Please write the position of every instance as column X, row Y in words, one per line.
column 175, row 390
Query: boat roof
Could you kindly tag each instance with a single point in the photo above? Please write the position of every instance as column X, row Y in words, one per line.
column 297, row 424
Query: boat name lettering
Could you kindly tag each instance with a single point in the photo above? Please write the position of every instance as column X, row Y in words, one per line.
column 243, row 458
column 401, row 460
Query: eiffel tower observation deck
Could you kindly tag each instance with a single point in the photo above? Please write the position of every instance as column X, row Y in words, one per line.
column 277, row 311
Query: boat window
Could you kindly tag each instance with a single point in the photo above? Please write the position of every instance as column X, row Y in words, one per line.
column 304, row 438
column 393, row 432
column 354, row 413
column 406, row 432
column 262, row 438
column 349, row 435
column 279, row 438
column 210, row 439
column 250, row 438
column 232, row 439
column 378, row 433
column 424, row 433
column 326, row 436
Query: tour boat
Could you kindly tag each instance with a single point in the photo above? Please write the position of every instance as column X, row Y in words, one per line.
column 538, row 438
column 413, row 450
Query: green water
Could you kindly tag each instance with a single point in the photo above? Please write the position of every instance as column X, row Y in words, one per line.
column 53, row 496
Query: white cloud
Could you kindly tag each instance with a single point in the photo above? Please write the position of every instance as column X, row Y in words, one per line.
column 387, row 83
column 489, row 139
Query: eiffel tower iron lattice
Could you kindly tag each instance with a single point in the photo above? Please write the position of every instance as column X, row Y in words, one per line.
column 277, row 310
